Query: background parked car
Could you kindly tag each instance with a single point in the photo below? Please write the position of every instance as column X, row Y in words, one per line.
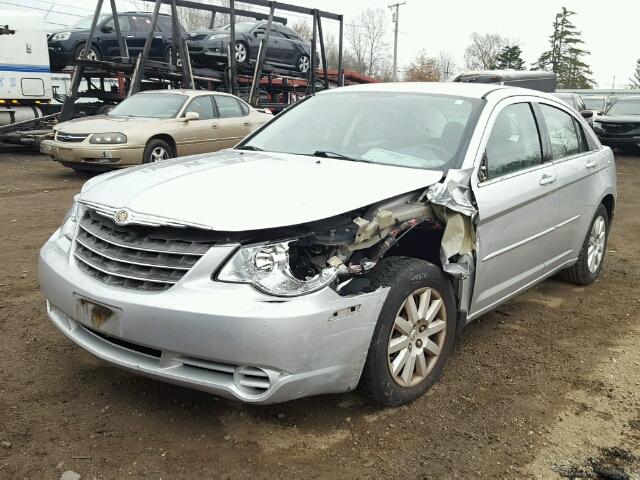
column 286, row 49
column 620, row 124
column 65, row 45
column 596, row 103
column 152, row 126
column 575, row 101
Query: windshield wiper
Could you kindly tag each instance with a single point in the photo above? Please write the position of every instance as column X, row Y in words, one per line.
column 339, row 156
column 250, row 147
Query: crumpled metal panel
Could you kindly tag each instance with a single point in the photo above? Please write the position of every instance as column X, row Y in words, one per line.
column 454, row 193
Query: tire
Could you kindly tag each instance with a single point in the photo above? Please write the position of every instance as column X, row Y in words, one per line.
column 242, row 58
column 303, row 63
column 94, row 53
column 584, row 272
column 156, row 150
column 420, row 280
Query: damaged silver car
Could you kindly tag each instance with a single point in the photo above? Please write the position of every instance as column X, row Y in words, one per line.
column 343, row 244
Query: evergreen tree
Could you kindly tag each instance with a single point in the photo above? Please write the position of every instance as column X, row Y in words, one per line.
column 566, row 56
column 635, row 80
column 510, row 58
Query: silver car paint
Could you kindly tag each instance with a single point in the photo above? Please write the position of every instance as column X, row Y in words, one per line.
column 298, row 341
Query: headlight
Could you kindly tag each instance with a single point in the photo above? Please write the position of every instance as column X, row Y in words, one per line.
column 217, row 35
column 68, row 228
column 596, row 124
column 108, row 138
column 59, row 37
column 267, row 268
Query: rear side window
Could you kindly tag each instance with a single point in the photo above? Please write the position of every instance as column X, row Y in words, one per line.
column 203, row 106
column 165, row 24
column 140, row 23
column 228, row 107
column 514, row 143
column 564, row 136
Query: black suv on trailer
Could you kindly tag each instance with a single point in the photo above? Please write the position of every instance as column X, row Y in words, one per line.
column 65, row 45
column 286, row 49
column 620, row 125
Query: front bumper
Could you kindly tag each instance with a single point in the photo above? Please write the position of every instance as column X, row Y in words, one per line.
column 85, row 154
column 207, row 50
column 207, row 335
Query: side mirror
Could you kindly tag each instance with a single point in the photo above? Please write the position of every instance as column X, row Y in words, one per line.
column 107, row 29
column 587, row 113
column 190, row 116
column 601, row 112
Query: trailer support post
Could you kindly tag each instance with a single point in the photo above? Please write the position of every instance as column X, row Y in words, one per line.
column 257, row 73
column 144, row 56
column 323, row 55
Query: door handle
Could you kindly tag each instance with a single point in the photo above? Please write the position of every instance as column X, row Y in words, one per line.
column 547, row 179
column 214, row 125
column 246, row 124
column 592, row 164
column 131, row 36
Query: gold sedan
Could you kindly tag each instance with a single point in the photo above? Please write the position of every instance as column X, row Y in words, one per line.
column 152, row 126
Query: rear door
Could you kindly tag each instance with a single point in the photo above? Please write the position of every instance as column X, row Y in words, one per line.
column 199, row 136
column 136, row 38
column 235, row 123
column 578, row 161
column 109, row 41
column 516, row 196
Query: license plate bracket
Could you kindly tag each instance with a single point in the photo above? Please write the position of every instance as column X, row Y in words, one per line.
column 99, row 316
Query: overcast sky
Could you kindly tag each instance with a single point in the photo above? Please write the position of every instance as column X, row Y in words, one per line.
column 609, row 33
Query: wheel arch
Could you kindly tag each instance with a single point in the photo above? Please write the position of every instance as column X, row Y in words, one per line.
column 167, row 138
column 609, row 203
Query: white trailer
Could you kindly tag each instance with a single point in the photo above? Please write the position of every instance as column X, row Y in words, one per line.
column 25, row 75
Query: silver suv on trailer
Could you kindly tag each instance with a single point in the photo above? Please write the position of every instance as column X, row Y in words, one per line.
column 344, row 243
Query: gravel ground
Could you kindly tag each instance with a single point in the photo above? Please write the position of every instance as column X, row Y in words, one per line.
column 546, row 386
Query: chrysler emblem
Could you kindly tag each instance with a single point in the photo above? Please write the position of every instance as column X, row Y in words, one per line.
column 121, row 217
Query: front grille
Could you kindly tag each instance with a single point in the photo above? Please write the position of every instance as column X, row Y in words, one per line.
column 141, row 258
column 71, row 137
column 200, row 36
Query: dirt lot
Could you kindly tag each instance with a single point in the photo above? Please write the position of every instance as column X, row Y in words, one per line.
column 547, row 386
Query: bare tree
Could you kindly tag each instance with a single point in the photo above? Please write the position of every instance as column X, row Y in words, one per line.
column 303, row 28
column 483, row 52
column 446, row 65
column 367, row 39
column 422, row 69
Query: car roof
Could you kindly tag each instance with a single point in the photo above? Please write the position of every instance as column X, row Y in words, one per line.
column 186, row 91
column 461, row 89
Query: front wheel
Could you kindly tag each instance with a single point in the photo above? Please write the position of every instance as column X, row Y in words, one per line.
column 242, row 53
column 591, row 257
column 92, row 54
column 156, row 151
column 415, row 332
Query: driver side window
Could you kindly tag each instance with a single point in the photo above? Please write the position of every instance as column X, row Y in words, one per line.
column 514, row 143
column 203, row 106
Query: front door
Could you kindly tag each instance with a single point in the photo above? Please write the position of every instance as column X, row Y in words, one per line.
column 516, row 196
column 199, row 136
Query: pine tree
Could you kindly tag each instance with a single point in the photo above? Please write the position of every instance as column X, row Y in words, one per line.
column 510, row 58
column 566, row 56
column 635, row 80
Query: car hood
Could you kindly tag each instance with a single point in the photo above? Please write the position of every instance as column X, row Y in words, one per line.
column 236, row 190
column 102, row 124
column 619, row 119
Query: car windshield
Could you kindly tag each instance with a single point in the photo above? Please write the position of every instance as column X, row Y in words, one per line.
column 402, row 129
column 152, row 105
column 625, row 107
column 85, row 22
column 594, row 103
column 242, row 27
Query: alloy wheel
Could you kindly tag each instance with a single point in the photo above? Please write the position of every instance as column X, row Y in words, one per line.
column 159, row 153
column 597, row 241
column 303, row 64
column 417, row 337
column 92, row 55
column 241, row 52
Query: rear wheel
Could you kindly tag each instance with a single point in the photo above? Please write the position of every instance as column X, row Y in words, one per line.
column 92, row 54
column 414, row 334
column 303, row 63
column 242, row 53
column 591, row 258
column 156, row 151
